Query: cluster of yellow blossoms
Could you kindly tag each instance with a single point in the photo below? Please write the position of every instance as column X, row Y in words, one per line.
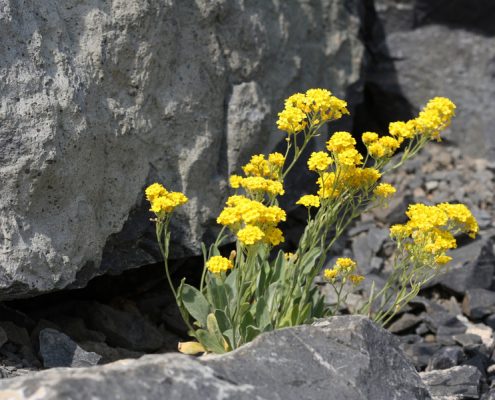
column 384, row 190
column 219, row 264
column 430, row 231
column 343, row 269
column 347, row 173
column 162, row 201
column 314, row 107
column 434, row 117
column 262, row 176
column 247, row 216
column 252, row 221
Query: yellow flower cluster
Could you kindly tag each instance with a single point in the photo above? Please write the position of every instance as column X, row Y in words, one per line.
column 380, row 147
column 343, row 269
column 252, row 221
column 315, row 106
column 384, row 190
column 292, row 120
column 349, row 178
column 309, row 200
column 162, row 201
column 432, row 119
column 257, row 184
column 260, row 167
column 341, row 141
column 219, row 264
column 262, row 175
column 430, row 231
column 319, row 161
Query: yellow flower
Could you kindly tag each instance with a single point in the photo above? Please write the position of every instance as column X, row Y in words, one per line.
column 298, row 100
column 376, row 150
column 330, row 274
column 309, row 200
column 443, row 259
column 259, row 184
column 341, row 141
column 400, row 231
column 356, row 279
column 402, row 130
column 369, row 137
column 274, row 236
column 319, row 161
column 235, row 181
column 345, row 264
column 276, row 159
column 218, row 264
column 435, row 117
column 326, row 182
column 257, row 166
column 460, row 215
column 349, row 157
column 389, row 144
column 292, row 120
column 250, row 235
column 384, row 190
column 162, row 201
column 154, row 191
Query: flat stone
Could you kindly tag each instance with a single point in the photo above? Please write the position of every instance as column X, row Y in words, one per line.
column 446, row 357
column 461, row 382
column 467, row 339
column 59, row 350
column 478, row 303
column 345, row 357
column 404, row 322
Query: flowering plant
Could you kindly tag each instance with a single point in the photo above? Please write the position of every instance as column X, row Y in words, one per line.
column 254, row 290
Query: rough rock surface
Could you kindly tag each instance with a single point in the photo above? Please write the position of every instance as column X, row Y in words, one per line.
column 349, row 357
column 100, row 98
column 456, row 383
column 426, row 48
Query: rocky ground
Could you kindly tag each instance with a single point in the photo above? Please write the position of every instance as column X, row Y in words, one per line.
column 447, row 331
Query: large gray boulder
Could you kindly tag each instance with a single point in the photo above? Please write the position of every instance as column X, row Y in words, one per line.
column 100, row 98
column 424, row 48
column 343, row 358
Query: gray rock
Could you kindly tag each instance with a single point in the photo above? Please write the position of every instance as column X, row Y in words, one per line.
column 343, row 357
column 460, row 382
column 478, row 303
column 59, row 350
column 446, row 357
column 420, row 353
column 471, row 267
column 16, row 334
column 467, row 339
column 404, row 322
column 474, row 56
column 123, row 329
column 109, row 354
column 100, row 99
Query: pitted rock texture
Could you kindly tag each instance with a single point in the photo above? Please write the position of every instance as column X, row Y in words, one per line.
column 342, row 357
column 100, row 98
